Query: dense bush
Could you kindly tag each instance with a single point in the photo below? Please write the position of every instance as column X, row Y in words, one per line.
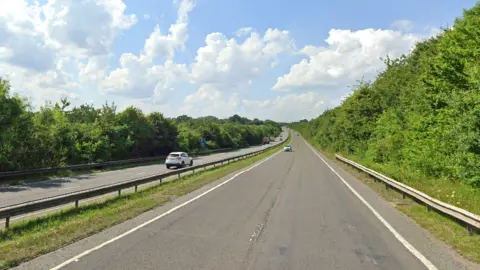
column 56, row 135
column 421, row 115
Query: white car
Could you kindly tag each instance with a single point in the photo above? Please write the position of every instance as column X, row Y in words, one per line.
column 287, row 148
column 178, row 159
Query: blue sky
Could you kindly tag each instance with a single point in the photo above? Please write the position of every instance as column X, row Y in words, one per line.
column 235, row 77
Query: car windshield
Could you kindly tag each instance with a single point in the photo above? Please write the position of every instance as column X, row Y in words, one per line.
column 174, row 155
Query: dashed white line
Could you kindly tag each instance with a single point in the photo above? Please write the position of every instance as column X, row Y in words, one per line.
column 256, row 233
column 397, row 235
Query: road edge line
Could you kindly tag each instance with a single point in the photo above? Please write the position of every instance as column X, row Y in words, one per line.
column 86, row 252
column 397, row 235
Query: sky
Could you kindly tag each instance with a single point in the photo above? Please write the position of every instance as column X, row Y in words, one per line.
column 270, row 59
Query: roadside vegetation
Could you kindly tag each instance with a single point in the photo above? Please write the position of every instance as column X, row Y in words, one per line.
column 59, row 134
column 419, row 120
column 419, row 123
column 26, row 240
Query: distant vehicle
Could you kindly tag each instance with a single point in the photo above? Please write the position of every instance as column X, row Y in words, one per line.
column 266, row 140
column 287, row 148
column 178, row 160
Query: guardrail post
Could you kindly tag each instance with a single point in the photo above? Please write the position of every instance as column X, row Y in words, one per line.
column 403, row 195
column 136, row 188
column 429, row 208
column 469, row 229
column 7, row 222
column 76, row 204
column 178, row 175
column 119, row 192
column 386, row 186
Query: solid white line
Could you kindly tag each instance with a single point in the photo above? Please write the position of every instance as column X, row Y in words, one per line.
column 76, row 258
column 397, row 235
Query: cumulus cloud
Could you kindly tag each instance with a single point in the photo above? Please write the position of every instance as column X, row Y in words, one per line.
column 46, row 50
column 291, row 107
column 62, row 48
column 166, row 45
column 22, row 41
column 349, row 56
column 139, row 77
column 229, row 64
column 223, row 66
column 85, row 27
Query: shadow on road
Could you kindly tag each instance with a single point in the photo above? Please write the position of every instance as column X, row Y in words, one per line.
column 53, row 183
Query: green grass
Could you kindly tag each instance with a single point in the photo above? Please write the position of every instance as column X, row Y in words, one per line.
column 26, row 240
column 444, row 228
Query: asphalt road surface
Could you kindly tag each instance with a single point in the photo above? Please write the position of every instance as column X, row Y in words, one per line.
column 289, row 212
column 34, row 191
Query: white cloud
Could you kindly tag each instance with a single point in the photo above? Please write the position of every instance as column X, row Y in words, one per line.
column 166, row 45
column 63, row 48
column 242, row 32
column 402, row 25
column 225, row 65
column 48, row 50
column 289, row 107
column 349, row 56
column 139, row 77
column 86, row 27
column 22, row 41
column 210, row 101
column 229, row 64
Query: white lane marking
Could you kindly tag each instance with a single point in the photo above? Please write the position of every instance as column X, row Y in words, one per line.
column 397, row 235
column 86, row 252
column 256, row 233
column 67, row 188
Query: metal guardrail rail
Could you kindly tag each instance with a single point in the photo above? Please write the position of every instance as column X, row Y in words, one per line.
column 6, row 175
column 50, row 202
column 471, row 220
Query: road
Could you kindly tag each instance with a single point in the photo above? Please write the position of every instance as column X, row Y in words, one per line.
column 288, row 212
column 34, row 191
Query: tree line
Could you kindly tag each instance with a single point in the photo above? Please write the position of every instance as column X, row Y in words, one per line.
column 59, row 134
column 418, row 118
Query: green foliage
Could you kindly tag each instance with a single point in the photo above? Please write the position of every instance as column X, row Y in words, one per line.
column 57, row 136
column 421, row 115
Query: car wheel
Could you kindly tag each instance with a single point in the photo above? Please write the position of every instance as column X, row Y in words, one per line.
column 168, row 166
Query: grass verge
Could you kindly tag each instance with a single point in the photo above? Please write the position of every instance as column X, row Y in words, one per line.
column 444, row 228
column 29, row 239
